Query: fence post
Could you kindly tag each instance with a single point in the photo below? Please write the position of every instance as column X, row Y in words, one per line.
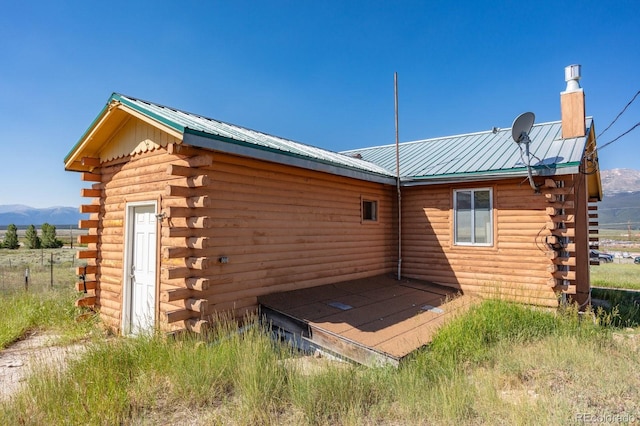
column 26, row 279
column 51, row 270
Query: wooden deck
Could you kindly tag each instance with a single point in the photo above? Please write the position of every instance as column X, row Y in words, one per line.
column 372, row 321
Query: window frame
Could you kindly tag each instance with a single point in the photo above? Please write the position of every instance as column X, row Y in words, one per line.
column 376, row 209
column 491, row 234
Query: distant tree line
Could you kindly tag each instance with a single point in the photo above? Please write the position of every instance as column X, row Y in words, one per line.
column 32, row 240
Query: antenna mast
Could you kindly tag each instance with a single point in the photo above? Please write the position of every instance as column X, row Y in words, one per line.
column 395, row 83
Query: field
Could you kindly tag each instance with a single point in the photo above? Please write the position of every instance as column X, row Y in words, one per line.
column 46, row 268
column 616, row 275
column 616, row 240
column 497, row 364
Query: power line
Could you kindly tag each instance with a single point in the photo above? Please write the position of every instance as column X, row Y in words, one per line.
column 612, row 141
column 621, row 112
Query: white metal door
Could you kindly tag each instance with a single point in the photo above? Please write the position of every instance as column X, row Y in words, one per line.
column 142, row 267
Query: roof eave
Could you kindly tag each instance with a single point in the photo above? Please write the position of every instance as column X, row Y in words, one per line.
column 236, row 147
column 592, row 168
column 73, row 160
column 558, row 169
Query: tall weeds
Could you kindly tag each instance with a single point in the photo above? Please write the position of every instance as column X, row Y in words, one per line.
column 476, row 367
column 53, row 310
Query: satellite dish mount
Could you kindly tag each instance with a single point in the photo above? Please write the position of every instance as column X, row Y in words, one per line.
column 520, row 133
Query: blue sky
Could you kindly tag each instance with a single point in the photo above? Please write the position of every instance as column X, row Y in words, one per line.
column 316, row 72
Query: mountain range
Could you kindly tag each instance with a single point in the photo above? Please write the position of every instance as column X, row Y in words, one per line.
column 21, row 215
column 616, row 181
column 619, row 208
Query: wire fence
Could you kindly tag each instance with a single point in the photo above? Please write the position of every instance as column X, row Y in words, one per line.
column 38, row 270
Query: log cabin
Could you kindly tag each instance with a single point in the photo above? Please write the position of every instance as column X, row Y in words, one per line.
column 190, row 216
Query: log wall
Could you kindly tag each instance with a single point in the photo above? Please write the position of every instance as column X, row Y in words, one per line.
column 523, row 265
column 134, row 178
column 256, row 228
column 233, row 229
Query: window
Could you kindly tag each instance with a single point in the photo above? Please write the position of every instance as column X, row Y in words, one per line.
column 473, row 217
column 369, row 211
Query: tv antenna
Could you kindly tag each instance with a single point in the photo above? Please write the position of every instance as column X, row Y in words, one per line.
column 520, row 133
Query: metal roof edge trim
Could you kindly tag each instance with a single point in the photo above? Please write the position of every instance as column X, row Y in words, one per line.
column 566, row 169
column 106, row 109
column 233, row 146
column 289, row 153
column 128, row 102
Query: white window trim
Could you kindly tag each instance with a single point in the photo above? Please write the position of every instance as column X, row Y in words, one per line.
column 455, row 216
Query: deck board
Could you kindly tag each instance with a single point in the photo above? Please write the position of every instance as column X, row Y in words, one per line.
column 425, row 328
column 381, row 314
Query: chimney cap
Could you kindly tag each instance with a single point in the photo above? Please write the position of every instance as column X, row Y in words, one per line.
column 572, row 75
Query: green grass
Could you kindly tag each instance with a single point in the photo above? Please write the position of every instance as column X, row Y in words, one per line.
column 498, row 363
column 616, row 275
column 624, row 305
column 51, row 310
column 612, row 276
column 43, row 306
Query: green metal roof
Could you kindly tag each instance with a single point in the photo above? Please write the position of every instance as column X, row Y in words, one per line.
column 487, row 154
column 473, row 156
column 214, row 134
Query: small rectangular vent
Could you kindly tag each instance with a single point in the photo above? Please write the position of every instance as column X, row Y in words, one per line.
column 432, row 309
column 340, row 305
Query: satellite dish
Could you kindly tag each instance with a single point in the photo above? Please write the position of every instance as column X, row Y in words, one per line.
column 522, row 126
column 520, row 133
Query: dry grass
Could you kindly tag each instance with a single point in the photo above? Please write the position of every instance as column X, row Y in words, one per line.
column 42, row 273
column 497, row 364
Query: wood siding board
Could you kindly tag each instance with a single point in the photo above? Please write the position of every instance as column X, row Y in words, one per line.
column 521, row 220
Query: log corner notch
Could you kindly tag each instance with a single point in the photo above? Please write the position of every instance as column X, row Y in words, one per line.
column 594, row 238
column 87, row 282
column 183, row 303
column 561, row 245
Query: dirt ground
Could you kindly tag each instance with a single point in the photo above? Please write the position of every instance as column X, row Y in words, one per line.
column 18, row 360
column 44, row 348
